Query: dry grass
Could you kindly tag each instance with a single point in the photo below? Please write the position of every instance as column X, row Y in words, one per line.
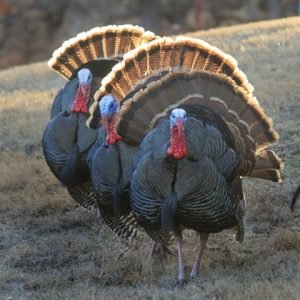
column 49, row 249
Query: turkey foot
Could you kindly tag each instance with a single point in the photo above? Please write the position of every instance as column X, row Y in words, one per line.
column 181, row 283
column 181, row 280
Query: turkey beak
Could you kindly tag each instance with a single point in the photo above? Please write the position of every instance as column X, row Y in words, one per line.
column 85, row 90
column 179, row 125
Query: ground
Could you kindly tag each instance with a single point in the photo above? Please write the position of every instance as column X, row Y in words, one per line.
column 51, row 249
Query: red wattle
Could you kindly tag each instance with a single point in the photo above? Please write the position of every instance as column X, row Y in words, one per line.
column 81, row 99
column 177, row 148
column 112, row 138
column 108, row 124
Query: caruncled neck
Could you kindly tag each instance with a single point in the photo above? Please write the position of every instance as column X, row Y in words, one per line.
column 80, row 104
column 108, row 124
column 177, row 148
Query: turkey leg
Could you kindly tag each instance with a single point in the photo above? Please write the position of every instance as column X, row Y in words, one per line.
column 154, row 249
column 160, row 249
column 200, row 251
column 181, row 280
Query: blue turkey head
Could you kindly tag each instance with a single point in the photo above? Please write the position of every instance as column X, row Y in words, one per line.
column 177, row 114
column 108, row 106
column 85, row 76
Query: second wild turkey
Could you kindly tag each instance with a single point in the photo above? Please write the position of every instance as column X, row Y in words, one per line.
column 200, row 130
column 84, row 61
column 111, row 170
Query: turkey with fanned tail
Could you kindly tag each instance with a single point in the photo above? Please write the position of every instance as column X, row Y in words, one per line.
column 200, row 130
column 83, row 60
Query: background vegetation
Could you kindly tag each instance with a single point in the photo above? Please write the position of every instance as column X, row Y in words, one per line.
column 31, row 29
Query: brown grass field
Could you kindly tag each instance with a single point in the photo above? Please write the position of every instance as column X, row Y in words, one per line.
column 51, row 249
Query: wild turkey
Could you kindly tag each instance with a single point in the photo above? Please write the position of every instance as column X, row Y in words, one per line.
column 84, row 61
column 111, row 170
column 201, row 130
column 111, row 164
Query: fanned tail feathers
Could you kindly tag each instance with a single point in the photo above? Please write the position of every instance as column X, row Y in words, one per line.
column 142, row 111
column 109, row 42
column 166, row 73
column 167, row 55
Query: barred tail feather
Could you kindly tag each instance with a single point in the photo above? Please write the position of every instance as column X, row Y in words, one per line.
column 273, row 175
column 268, row 160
